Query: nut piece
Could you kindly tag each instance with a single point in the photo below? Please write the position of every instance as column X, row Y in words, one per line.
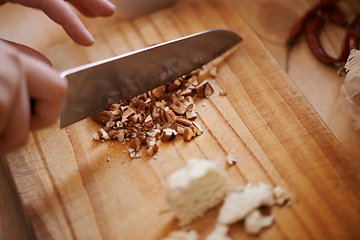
column 102, row 117
column 148, row 122
column 213, row 71
column 134, row 143
column 183, row 121
column 152, row 146
column 204, row 89
column 169, row 115
column 129, row 111
column 188, row 134
column 113, row 134
column 168, row 134
column 197, row 129
column 103, row 134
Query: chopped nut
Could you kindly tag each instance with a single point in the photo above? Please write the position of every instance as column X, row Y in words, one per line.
column 198, row 130
column 115, row 107
column 178, row 107
column 153, row 147
column 161, row 113
column 102, row 117
column 180, row 129
column 183, row 121
column 148, row 123
column 134, row 143
column 213, row 71
column 142, row 136
column 187, row 92
column 162, row 104
column 192, row 81
column 96, row 136
column 117, row 125
column 110, row 123
column 150, row 142
column 168, row 134
column 191, row 114
column 204, row 89
column 103, row 134
column 113, row 134
column 158, row 92
column 188, row 134
column 174, row 86
column 169, row 115
column 127, row 113
column 153, row 133
column 208, row 90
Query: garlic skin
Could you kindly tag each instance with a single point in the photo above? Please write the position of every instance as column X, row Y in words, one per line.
column 350, row 91
column 352, row 79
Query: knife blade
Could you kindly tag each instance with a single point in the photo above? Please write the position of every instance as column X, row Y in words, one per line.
column 94, row 87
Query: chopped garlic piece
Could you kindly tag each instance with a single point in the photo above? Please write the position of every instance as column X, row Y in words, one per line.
column 231, row 159
column 254, row 222
column 280, row 194
column 352, row 79
column 182, row 235
column 219, row 233
column 195, row 188
column 239, row 204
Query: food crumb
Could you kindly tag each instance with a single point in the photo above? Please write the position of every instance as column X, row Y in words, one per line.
column 231, row 159
column 213, row 72
column 222, row 92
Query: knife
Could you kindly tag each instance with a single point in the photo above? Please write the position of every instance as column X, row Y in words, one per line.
column 94, row 87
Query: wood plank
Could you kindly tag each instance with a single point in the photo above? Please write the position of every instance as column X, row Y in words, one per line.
column 74, row 187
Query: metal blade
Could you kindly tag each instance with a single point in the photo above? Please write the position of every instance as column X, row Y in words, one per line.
column 94, row 87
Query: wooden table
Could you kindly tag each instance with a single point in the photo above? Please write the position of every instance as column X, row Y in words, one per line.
column 269, row 20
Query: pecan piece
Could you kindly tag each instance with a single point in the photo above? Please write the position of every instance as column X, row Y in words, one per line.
column 168, row 134
column 102, row 117
column 183, row 121
column 188, row 134
column 135, row 144
column 148, row 122
column 204, row 89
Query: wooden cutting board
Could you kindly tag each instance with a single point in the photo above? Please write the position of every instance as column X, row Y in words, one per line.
column 73, row 187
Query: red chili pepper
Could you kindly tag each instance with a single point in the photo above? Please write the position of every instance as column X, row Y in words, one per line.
column 313, row 29
column 351, row 40
column 335, row 14
column 299, row 26
column 354, row 39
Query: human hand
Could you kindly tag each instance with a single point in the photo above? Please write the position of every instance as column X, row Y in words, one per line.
column 23, row 77
column 60, row 12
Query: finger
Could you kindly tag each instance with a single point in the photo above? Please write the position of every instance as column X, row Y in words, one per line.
column 62, row 14
column 47, row 89
column 29, row 51
column 18, row 124
column 84, row 11
column 101, row 8
column 14, row 104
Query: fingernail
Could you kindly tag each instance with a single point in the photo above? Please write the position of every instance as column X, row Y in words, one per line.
column 111, row 5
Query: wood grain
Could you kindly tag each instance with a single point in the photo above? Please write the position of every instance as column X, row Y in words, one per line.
column 70, row 189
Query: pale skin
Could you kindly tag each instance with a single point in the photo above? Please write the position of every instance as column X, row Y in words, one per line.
column 26, row 74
